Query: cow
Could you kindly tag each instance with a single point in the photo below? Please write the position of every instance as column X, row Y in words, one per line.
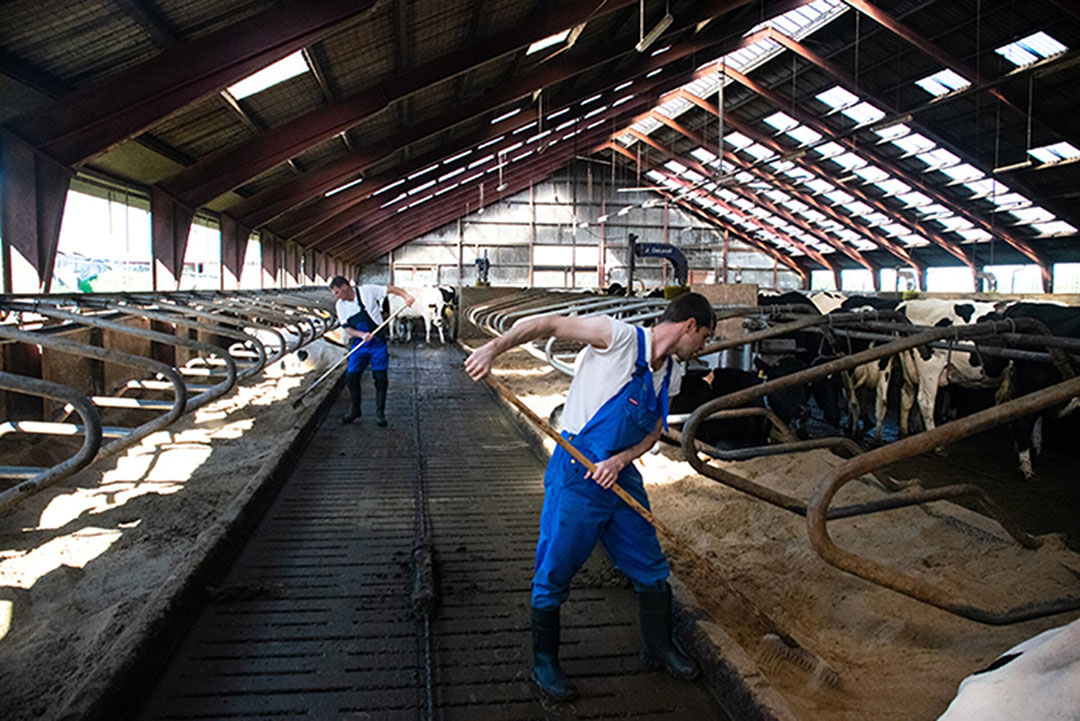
column 925, row 370
column 876, row 375
column 700, row 387
column 1036, row 679
column 428, row 306
column 1028, row 376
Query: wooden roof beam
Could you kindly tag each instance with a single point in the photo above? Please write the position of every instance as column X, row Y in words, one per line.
column 84, row 123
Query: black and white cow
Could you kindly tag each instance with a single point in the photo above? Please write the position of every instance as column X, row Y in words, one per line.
column 875, row 376
column 1037, row 680
column 928, row 369
column 1028, row 376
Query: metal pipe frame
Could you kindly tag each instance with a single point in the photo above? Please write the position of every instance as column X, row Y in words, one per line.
column 831, row 483
column 125, row 436
column 827, row 488
column 228, row 316
column 43, row 478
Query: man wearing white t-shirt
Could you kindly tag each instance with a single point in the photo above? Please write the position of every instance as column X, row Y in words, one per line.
column 359, row 311
column 614, row 413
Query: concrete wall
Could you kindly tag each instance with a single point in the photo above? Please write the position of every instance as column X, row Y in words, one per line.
column 532, row 237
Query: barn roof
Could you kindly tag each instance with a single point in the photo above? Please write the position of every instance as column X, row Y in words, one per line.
column 855, row 134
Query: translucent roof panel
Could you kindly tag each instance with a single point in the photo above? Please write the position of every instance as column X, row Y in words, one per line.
column 1056, row 152
column 838, row 97
column 963, row 172
column 914, row 143
column 1031, row 49
column 782, row 122
column 288, row 67
column 804, row 135
column 864, row 113
column 943, row 82
column 1058, row 227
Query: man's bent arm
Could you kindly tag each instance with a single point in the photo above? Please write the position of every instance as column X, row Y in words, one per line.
column 595, row 331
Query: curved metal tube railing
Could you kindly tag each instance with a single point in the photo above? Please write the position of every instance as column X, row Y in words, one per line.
column 241, row 316
column 41, row 478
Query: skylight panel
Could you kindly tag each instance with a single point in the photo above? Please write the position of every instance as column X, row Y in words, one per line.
column 782, row 122
column 288, row 67
column 895, row 229
column 973, row 235
column 548, row 42
column 1058, row 227
column 840, row 196
column 933, row 209
column 849, row 160
column 738, row 140
column 872, row 174
column 938, row 157
column 954, row 223
column 1031, row 49
column 693, row 176
column 1034, row 214
column 858, row 208
column 1054, row 153
column 915, row 143
column 837, row 97
column 864, row 113
column 829, row 149
column 877, row 218
column 915, row 200
column 986, row 187
column 654, row 175
column 760, row 152
column 675, row 167
column 1010, row 199
column 914, row 240
column 963, row 172
column 804, row 135
column 943, row 83
column 820, row 186
column 893, row 186
column 893, row 132
column 703, row 155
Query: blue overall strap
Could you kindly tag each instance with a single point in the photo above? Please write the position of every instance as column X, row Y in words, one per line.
column 664, row 392
column 641, row 365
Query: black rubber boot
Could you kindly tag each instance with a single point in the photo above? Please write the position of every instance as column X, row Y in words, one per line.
column 546, row 672
column 381, row 384
column 660, row 650
column 352, row 382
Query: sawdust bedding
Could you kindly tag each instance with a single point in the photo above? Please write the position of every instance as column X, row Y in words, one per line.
column 896, row 658
column 81, row 562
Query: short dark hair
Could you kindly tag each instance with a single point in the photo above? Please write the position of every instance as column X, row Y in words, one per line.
column 690, row 305
column 337, row 281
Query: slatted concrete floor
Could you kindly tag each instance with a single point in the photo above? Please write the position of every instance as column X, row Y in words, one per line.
column 314, row 619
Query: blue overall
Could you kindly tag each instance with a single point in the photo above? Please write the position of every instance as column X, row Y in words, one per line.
column 577, row 510
column 374, row 351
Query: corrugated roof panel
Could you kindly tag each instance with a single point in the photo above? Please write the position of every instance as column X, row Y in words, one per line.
column 203, row 128
column 285, row 101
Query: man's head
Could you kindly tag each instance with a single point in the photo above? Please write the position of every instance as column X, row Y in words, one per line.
column 341, row 288
column 694, row 316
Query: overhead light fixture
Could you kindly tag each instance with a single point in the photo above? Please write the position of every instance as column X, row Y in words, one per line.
column 655, row 33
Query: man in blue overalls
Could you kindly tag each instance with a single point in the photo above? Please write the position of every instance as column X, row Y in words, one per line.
column 614, row 413
column 359, row 311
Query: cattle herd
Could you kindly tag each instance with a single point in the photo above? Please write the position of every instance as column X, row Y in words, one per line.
column 857, row 402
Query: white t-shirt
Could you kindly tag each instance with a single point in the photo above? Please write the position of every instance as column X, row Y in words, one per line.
column 370, row 295
column 600, row 374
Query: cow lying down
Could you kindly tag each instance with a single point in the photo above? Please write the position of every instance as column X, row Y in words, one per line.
column 1037, row 680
